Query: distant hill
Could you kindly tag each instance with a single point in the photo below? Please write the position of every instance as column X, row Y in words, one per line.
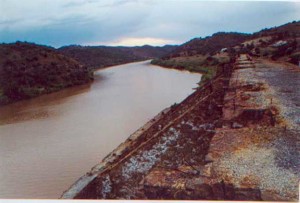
column 28, row 70
column 291, row 29
column 103, row 56
column 209, row 45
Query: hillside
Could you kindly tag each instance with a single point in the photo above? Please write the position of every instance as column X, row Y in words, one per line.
column 28, row 70
column 209, row 45
column 103, row 56
column 205, row 55
column 202, row 54
column 289, row 29
column 278, row 43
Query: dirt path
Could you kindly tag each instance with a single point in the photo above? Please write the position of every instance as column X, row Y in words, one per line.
column 259, row 146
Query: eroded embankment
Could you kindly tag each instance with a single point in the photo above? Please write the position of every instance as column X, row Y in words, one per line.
column 202, row 149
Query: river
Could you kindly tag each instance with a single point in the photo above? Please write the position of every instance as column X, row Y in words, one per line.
column 48, row 142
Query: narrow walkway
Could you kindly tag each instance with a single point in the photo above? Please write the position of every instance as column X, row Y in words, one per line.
column 258, row 146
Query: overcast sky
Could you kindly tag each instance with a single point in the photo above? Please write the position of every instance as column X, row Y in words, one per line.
column 134, row 22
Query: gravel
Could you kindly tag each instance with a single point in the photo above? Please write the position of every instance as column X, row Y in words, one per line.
column 285, row 83
column 260, row 164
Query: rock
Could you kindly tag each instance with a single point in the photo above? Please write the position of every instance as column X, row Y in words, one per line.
column 208, row 158
column 203, row 191
column 236, row 125
column 268, row 195
column 247, row 194
column 218, row 191
column 207, row 170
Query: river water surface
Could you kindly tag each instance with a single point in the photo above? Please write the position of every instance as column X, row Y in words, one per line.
column 48, row 142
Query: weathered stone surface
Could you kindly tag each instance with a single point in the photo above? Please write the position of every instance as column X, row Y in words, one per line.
column 246, row 156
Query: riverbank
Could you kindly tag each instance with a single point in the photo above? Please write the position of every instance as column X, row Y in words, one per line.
column 221, row 142
column 206, row 65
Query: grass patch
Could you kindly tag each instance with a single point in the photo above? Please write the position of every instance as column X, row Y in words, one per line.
column 192, row 64
column 206, row 65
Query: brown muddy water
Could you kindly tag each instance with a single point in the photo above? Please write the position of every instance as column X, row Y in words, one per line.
column 48, row 142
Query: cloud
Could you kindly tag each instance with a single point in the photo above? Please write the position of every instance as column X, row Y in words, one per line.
column 65, row 22
column 138, row 41
column 77, row 3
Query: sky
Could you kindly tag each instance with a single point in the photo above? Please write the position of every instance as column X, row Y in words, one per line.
column 135, row 22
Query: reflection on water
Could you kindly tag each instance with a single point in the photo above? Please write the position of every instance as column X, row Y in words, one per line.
column 38, row 108
column 48, row 142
